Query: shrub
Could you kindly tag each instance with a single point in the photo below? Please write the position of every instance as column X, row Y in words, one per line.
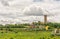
column 1, row 29
column 10, row 29
column 11, row 38
column 1, row 32
column 48, row 38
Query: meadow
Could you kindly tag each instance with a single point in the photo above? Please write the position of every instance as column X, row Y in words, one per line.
column 28, row 35
column 25, row 31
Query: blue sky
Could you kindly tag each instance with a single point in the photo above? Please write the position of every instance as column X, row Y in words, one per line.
column 17, row 11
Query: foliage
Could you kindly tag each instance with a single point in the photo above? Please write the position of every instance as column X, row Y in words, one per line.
column 55, row 25
column 28, row 35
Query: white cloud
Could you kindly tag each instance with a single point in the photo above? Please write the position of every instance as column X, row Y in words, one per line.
column 14, row 12
column 33, row 11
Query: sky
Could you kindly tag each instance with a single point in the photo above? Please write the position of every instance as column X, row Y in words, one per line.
column 27, row 11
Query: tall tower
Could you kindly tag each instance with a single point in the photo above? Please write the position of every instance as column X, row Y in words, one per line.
column 45, row 19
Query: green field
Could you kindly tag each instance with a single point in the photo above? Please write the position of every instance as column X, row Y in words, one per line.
column 28, row 35
column 25, row 31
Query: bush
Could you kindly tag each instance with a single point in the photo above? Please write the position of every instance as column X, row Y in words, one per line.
column 1, row 28
column 10, row 29
column 1, row 32
column 11, row 38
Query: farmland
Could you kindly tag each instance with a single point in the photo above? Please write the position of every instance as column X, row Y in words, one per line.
column 27, row 35
column 24, row 31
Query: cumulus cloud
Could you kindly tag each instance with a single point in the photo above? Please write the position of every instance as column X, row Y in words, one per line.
column 37, row 10
column 18, row 10
column 33, row 10
column 5, row 2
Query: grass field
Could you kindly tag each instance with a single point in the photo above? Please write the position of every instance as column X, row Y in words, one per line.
column 28, row 35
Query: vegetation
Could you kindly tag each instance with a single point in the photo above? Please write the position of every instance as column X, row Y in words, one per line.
column 28, row 35
column 24, row 31
column 54, row 25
